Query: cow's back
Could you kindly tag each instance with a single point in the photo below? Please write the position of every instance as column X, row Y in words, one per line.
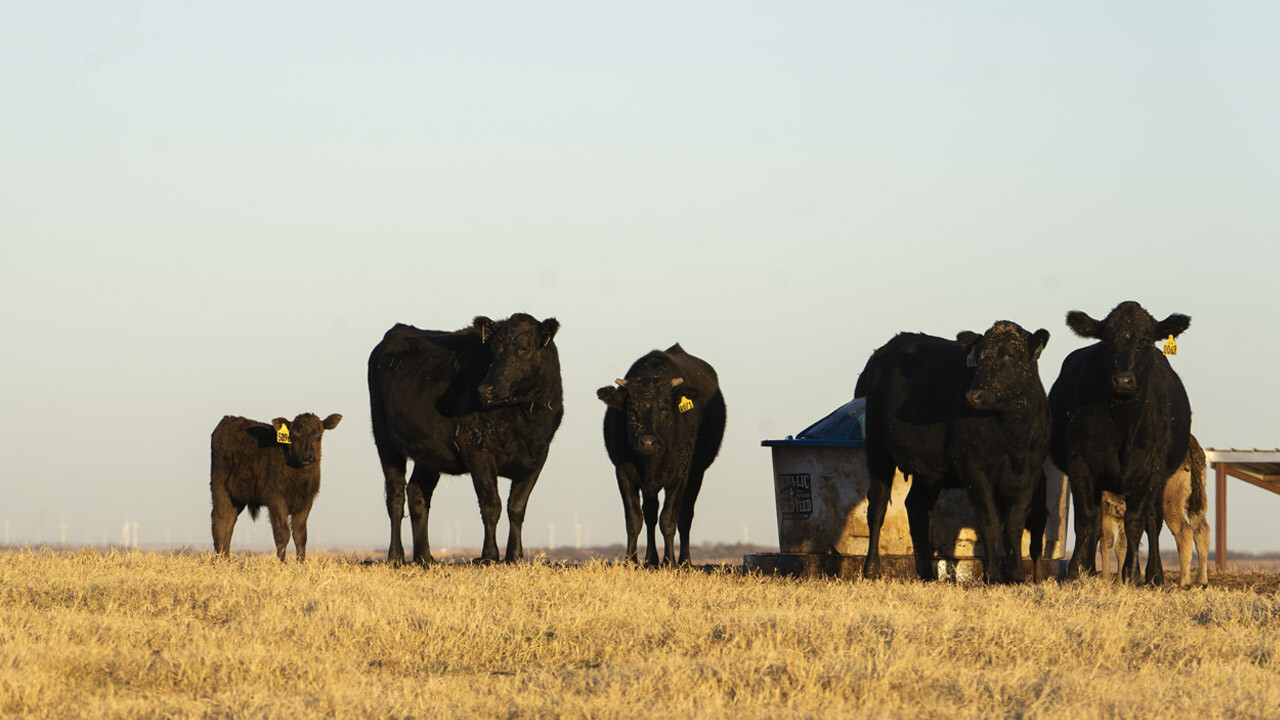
column 701, row 375
column 245, row 457
column 908, row 386
column 421, row 383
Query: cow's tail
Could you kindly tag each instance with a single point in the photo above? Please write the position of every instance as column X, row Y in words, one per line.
column 1196, row 500
column 253, row 511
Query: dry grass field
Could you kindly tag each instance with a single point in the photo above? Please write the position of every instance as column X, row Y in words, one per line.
column 96, row 634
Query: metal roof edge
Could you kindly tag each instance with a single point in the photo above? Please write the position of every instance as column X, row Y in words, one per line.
column 811, row 442
column 1242, row 456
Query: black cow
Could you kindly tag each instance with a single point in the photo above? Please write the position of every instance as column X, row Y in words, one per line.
column 278, row 465
column 970, row 413
column 1121, row 423
column 662, row 431
column 484, row 400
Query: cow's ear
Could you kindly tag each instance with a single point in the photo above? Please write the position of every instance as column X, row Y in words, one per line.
column 332, row 421
column 278, row 422
column 685, row 391
column 1082, row 324
column 547, row 330
column 967, row 337
column 1039, row 339
column 612, row 396
column 1174, row 325
column 484, row 326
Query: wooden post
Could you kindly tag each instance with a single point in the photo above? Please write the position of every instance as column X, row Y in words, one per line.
column 1220, row 516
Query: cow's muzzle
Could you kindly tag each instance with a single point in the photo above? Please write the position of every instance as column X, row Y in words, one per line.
column 1124, row 383
column 648, row 445
column 979, row 399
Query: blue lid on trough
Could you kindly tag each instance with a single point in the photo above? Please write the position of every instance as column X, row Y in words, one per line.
column 846, row 426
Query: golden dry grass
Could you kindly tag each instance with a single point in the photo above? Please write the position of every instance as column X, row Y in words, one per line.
column 95, row 634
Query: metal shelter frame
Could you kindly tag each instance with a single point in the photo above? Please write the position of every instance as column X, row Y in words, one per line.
column 1260, row 468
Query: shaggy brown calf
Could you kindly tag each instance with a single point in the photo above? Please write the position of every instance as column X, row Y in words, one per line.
column 278, row 465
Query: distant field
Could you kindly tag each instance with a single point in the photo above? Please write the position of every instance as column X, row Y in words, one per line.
column 92, row 634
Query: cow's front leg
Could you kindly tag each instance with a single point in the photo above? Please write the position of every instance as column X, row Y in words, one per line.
column 484, row 476
column 920, row 501
column 1154, row 523
column 279, row 516
column 298, row 523
column 422, row 485
column 628, row 486
column 650, row 526
column 877, row 506
column 1084, row 497
column 1013, row 525
column 1135, row 523
column 669, row 522
column 517, row 501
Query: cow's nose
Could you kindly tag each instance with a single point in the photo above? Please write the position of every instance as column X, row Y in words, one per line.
column 648, row 444
column 978, row 398
column 486, row 392
column 308, row 458
column 1124, row 382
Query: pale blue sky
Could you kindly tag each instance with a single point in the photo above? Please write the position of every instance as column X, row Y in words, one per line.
column 219, row 209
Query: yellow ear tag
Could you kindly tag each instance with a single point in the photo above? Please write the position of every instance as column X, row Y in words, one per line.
column 282, row 435
column 1170, row 347
column 685, row 404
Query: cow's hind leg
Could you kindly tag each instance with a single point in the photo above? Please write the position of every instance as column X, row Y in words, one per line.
column 393, row 465
column 920, row 501
column 880, row 468
column 422, row 485
column 1202, row 553
column 223, row 521
column 1181, row 532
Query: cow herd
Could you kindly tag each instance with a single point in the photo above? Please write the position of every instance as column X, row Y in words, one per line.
column 968, row 413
